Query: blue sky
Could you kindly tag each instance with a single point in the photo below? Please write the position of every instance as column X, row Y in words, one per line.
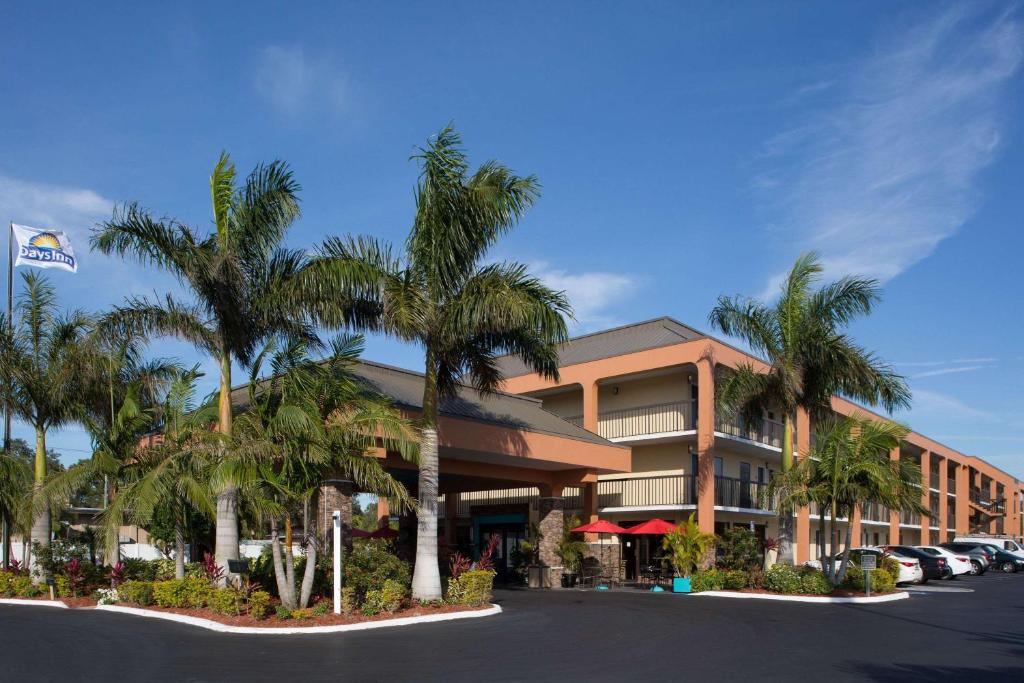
column 685, row 150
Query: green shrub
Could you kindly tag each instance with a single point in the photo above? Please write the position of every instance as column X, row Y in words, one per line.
column 471, row 588
column 370, row 565
column 51, row 558
column 892, row 566
column 226, row 601
column 814, row 582
column 388, row 598
column 138, row 592
column 755, row 578
column 782, row 578
column 321, row 609
column 62, row 586
column 302, row 613
column 735, row 579
column 707, row 580
column 370, row 608
column 282, row 612
column 180, row 593
column 134, row 569
column 259, row 605
column 21, row 586
column 348, row 600
column 882, row 582
column 741, row 549
column 5, row 583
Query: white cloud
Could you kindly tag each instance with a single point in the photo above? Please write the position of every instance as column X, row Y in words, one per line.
column 880, row 176
column 593, row 295
column 948, row 407
column 949, row 371
column 71, row 209
column 296, row 83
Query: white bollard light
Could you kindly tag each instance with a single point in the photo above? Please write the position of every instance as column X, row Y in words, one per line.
column 337, row 561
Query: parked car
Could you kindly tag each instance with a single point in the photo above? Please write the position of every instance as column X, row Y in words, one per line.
column 931, row 566
column 1005, row 561
column 909, row 568
column 981, row 557
column 1001, row 542
column 958, row 563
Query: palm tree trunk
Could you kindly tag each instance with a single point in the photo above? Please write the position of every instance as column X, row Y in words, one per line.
column 41, row 522
column 226, row 542
column 426, row 577
column 786, row 551
column 179, row 551
column 822, row 552
column 846, row 557
column 112, row 545
column 831, row 538
column 279, row 571
column 289, row 570
column 309, row 528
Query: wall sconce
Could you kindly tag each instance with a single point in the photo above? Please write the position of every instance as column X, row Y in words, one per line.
column 615, row 390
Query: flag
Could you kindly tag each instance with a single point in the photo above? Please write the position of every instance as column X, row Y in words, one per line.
column 44, row 248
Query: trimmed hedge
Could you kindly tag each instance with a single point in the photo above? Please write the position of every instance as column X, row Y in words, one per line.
column 472, row 588
column 181, row 593
column 259, row 605
column 782, row 578
column 735, row 579
column 138, row 592
column 814, row 582
column 226, row 601
column 707, row 580
column 386, row 599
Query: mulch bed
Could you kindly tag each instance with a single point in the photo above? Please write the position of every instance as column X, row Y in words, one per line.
column 273, row 621
column 330, row 619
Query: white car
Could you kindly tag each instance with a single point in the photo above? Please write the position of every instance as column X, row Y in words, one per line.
column 910, row 567
column 959, row 563
column 1001, row 542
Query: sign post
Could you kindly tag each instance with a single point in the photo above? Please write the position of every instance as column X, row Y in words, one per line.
column 868, row 563
column 337, row 561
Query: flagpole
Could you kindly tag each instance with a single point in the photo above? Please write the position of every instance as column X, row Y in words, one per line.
column 5, row 541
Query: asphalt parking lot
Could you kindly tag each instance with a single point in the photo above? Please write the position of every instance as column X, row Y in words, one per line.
column 970, row 629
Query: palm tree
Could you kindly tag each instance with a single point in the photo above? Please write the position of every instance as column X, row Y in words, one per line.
column 441, row 296
column 308, row 422
column 15, row 489
column 173, row 472
column 848, row 466
column 234, row 275
column 810, row 356
column 43, row 355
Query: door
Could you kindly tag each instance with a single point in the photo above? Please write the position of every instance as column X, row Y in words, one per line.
column 745, row 498
column 509, row 535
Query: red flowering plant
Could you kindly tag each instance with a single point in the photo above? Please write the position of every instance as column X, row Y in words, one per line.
column 117, row 575
column 458, row 564
column 486, row 561
column 213, row 571
column 75, row 573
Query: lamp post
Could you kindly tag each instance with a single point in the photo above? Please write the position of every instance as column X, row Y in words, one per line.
column 337, row 561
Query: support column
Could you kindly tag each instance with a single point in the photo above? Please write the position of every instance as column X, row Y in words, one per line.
column 451, row 518
column 551, row 513
column 943, row 499
column 963, row 497
column 926, row 497
column 335, row 494
column 802, row 535
column 383, row 513
column 706, row 445
column 894, row 515
column 589, row 512
column 590, row 409
column 855, row 527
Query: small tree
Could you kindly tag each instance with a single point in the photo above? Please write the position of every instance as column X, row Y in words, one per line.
column 741, row 549
column 687, row 546
column 570, row 549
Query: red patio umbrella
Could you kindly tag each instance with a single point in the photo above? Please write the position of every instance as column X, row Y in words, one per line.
column 359, row 533
column 600, row 527
column 384, row 532
column 652, row 527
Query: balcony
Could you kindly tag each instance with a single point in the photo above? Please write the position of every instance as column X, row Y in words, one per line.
column 645, row 421
column 910, row 518
column 678, row 492
column 874, row 512
column 765, row 432
column 951, row 485
column 934, row 480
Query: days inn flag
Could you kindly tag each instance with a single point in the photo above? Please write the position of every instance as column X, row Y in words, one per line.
column 44, row 248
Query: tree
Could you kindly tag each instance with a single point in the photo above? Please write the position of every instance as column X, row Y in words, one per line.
column 172, row 474
column 42, row 353
column 848, row 466
column 441, row 296
column 687, row 546
column 15, row 489
column 308, row 422
column 235, row 276
column 810, row 357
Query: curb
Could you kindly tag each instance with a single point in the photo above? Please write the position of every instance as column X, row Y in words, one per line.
column 822, row 600
column 293, row 630
column 32, row 603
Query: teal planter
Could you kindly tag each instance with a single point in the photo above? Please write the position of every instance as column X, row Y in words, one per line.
column 681, row 584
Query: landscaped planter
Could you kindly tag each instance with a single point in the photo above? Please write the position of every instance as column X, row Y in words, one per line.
column 681, row 584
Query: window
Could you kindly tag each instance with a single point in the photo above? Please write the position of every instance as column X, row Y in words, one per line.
column 718, row 467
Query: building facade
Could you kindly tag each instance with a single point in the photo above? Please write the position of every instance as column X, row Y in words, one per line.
column 651, row 386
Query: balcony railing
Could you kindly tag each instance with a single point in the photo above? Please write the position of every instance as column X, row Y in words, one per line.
column 677, row 416
column 874, row 512
column 951, row 485
column 764, row 431
column 910, row 517
column 737, row 493
column 934, row 480
column 675, row 489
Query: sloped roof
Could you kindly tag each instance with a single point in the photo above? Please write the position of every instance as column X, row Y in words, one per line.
column 649, row 334
column 405, row 388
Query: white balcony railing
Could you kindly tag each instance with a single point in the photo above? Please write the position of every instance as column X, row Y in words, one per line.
column 764, row 431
